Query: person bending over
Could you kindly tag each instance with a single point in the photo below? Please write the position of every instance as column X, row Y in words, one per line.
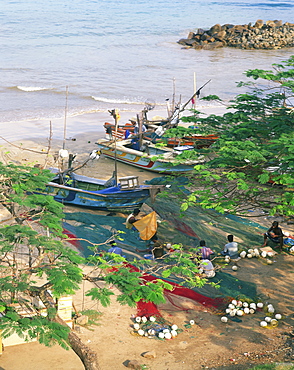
column 132, row 218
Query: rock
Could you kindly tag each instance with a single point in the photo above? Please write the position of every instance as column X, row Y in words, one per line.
column 215, row 28
column 259, row 23
column 219, row 35
column 213, row 45
column 82, row 320
column 149, row 354
column 278, row 23
column 268, row 35
column 134, row 364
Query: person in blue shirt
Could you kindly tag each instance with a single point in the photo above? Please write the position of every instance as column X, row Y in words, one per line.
column 115, row 249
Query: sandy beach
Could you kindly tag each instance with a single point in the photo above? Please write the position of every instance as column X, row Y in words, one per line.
column 207, row 344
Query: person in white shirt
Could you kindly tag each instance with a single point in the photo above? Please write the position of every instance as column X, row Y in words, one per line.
column 207, row 268
column 231, row 248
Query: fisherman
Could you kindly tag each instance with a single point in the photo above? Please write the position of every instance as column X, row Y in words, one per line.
column 275, row 234
column 206, row 267
column 132, row 218
column 115, row 249
column 155, row 249
column 205, row 252
column 231, row 248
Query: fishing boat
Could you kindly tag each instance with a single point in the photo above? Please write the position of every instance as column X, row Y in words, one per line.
column 150, row 157
column 197, row 140
column 78, row 190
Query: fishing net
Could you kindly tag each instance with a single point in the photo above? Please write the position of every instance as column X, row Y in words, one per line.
column 97, row 228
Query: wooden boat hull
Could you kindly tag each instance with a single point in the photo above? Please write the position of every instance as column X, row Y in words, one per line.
column 88, row 192
column 104, row 200
column 141, row 160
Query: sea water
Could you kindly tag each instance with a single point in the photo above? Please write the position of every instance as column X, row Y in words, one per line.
column 95, row 55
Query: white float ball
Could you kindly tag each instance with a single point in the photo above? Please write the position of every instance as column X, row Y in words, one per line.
column 151, row 332
column 243, row 254
column 263, row 324
column 245, row 304
column 249, row 255
column 278, row 316
column 167, row 335
column 259, row 304
column 224, row 319
column 292, row 249
column 251, row 311
column 136, row 326
column 267, row 319
column 174, row 333
column 174, row 327
column 165, row 331
column 235, row 268
column 269, row 262
column 270, row 309
column 246, row 310
column 141, row 332
column 192, row 322
column 263, row 254
column 152, row 318
column 239, row 303
column 233, row 312
column 63, row 153
column 231, row 306
column 144, row 319
column 228, row 310
column 250, row 250
column 270, row 254
column 161, row 335
column 234, row 302
column 253, row 305
column 240, row 313
column 138, row 319
column 274, row 323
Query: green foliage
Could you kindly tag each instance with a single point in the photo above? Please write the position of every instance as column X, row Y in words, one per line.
column 33, row 246
column 101, row 295
column 254, row 153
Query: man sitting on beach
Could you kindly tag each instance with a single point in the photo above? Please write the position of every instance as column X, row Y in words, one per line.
column 275, row 234
column 205, row 251
column 231, row 248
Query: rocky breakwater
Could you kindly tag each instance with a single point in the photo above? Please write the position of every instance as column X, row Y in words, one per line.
column 269, row 35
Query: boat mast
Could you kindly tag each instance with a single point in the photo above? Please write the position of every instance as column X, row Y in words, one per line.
column 115, row 114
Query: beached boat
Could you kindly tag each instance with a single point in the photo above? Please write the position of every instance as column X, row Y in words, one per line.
column 89, row 192
column 197, row 140
column 152, row 158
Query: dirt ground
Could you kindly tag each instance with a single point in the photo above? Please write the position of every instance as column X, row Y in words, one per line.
column 209, row 344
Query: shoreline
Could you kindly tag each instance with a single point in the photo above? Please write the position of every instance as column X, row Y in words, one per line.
column 78, row 124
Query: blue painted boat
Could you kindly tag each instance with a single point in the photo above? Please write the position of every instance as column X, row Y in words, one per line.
column 93, row 193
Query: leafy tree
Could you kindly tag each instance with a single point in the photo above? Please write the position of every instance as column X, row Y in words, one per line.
column 36, row 262
column 251, row 165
